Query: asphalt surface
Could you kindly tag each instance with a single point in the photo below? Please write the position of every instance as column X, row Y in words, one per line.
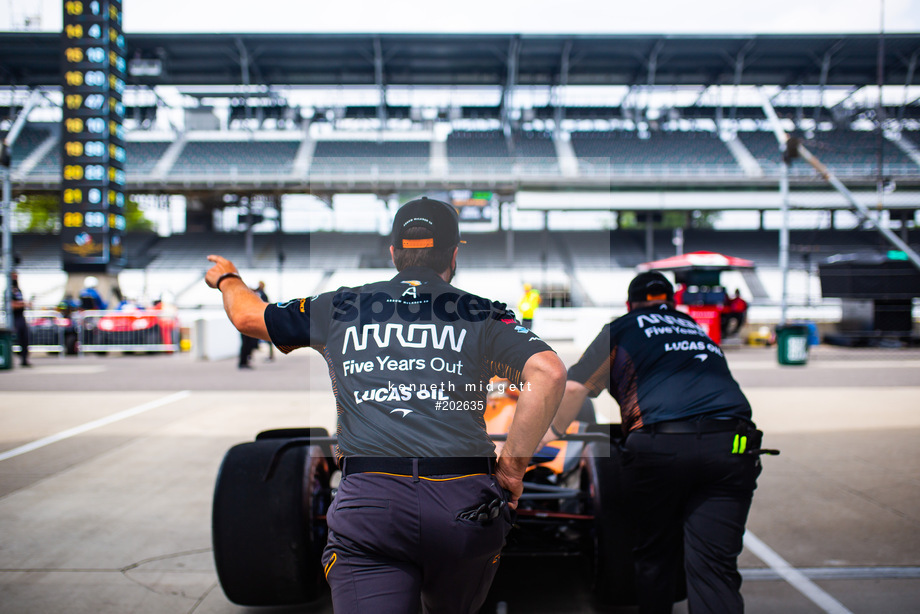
column 107, row 468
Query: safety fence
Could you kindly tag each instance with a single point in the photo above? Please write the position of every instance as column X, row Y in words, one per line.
column 47, row 331
column 103, row 331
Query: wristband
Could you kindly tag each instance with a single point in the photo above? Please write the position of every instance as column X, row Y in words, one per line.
column 225, row 276
column 555, row 431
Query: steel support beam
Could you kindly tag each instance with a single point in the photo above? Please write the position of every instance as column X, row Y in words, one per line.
column 381, row 85
column 822, row 78
column 651, row 76
column 911, row 67
column 558, row 97
column 738, row 74
column 244, row 73
column 860, row 209
column 514, row 48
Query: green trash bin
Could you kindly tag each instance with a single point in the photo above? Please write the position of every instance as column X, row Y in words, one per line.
column 792, row 344
column 6, row 349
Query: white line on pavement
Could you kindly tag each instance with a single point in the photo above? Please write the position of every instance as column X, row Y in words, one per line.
column 793, row 576
column 79, row 430
column 838, row 573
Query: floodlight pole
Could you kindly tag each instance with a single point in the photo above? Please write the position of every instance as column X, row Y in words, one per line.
column 784, row 235
column 7, row 235
column 7, row 206
column 782, row 138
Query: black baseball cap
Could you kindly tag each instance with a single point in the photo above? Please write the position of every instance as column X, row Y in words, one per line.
column 438, row 217
column 650, row 286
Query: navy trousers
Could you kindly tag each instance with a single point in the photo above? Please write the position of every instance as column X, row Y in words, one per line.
column 688, row 493
column 397, row 544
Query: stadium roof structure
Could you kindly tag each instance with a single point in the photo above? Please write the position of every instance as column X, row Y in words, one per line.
column 242, row 67
column 33, row 59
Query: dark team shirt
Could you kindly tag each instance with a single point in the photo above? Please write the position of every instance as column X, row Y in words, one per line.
column 660, row 365
column 16, row 295
column 410, row 359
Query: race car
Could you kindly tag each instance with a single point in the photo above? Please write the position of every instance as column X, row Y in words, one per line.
column 134, row 329
column 272, row 494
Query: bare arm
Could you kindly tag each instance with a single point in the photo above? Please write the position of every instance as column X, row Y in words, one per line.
column 544, row 380
column 243, row 306
column 574, row 398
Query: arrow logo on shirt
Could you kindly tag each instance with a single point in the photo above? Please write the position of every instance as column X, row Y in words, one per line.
column 405, row 411
column 701, row 357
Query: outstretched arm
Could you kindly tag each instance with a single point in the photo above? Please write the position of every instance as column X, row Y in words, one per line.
column 572, row 401
column 544, row 379
column 243, row 306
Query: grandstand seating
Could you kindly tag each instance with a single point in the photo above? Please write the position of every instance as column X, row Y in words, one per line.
column 31, row 136
column 370, row 157
column 490, row 152
column 624, row 152
column 37, row 251
column 847, row 153
column 236, row 158
column 49, row 167
column 852, row 152
column 618, row 249
column 602, row 262
column 534, row 152
column 142, row 156
column 765, row 149
column 528, row 153
column 481, row 152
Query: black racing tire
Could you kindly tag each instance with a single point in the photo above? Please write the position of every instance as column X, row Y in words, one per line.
column 613, row 576
column 268, row 536
column 300, row 432
column 613, row 572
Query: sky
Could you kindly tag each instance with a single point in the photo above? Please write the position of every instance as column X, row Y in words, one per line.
column 495, row 16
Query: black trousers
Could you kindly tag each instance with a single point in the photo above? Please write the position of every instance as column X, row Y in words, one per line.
column 396, row 542
column 22, row 338
column 689, row 495
column 247, row 346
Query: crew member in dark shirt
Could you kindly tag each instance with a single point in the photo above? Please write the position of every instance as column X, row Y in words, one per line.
column 20, row 326
column 422, row 512
column 689, row 458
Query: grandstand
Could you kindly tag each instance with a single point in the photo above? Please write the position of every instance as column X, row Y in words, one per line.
column 661, row 153
column 525, row 157
column 563, row 116
column 397, row 158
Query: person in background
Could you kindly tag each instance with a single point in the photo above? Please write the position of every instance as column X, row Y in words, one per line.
column 20, row 326
column 528, row 305
column 734, row 314
column 260, row 290
column 690, row 459
column 247, row 346
column 679, row 293
column 90, row 299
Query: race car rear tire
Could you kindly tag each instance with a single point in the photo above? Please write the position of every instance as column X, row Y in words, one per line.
column 613, row 571
column 613, row 563
column 266, row 535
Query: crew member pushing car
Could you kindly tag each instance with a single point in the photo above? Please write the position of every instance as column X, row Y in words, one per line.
column 690, row 458
column 421, row 514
